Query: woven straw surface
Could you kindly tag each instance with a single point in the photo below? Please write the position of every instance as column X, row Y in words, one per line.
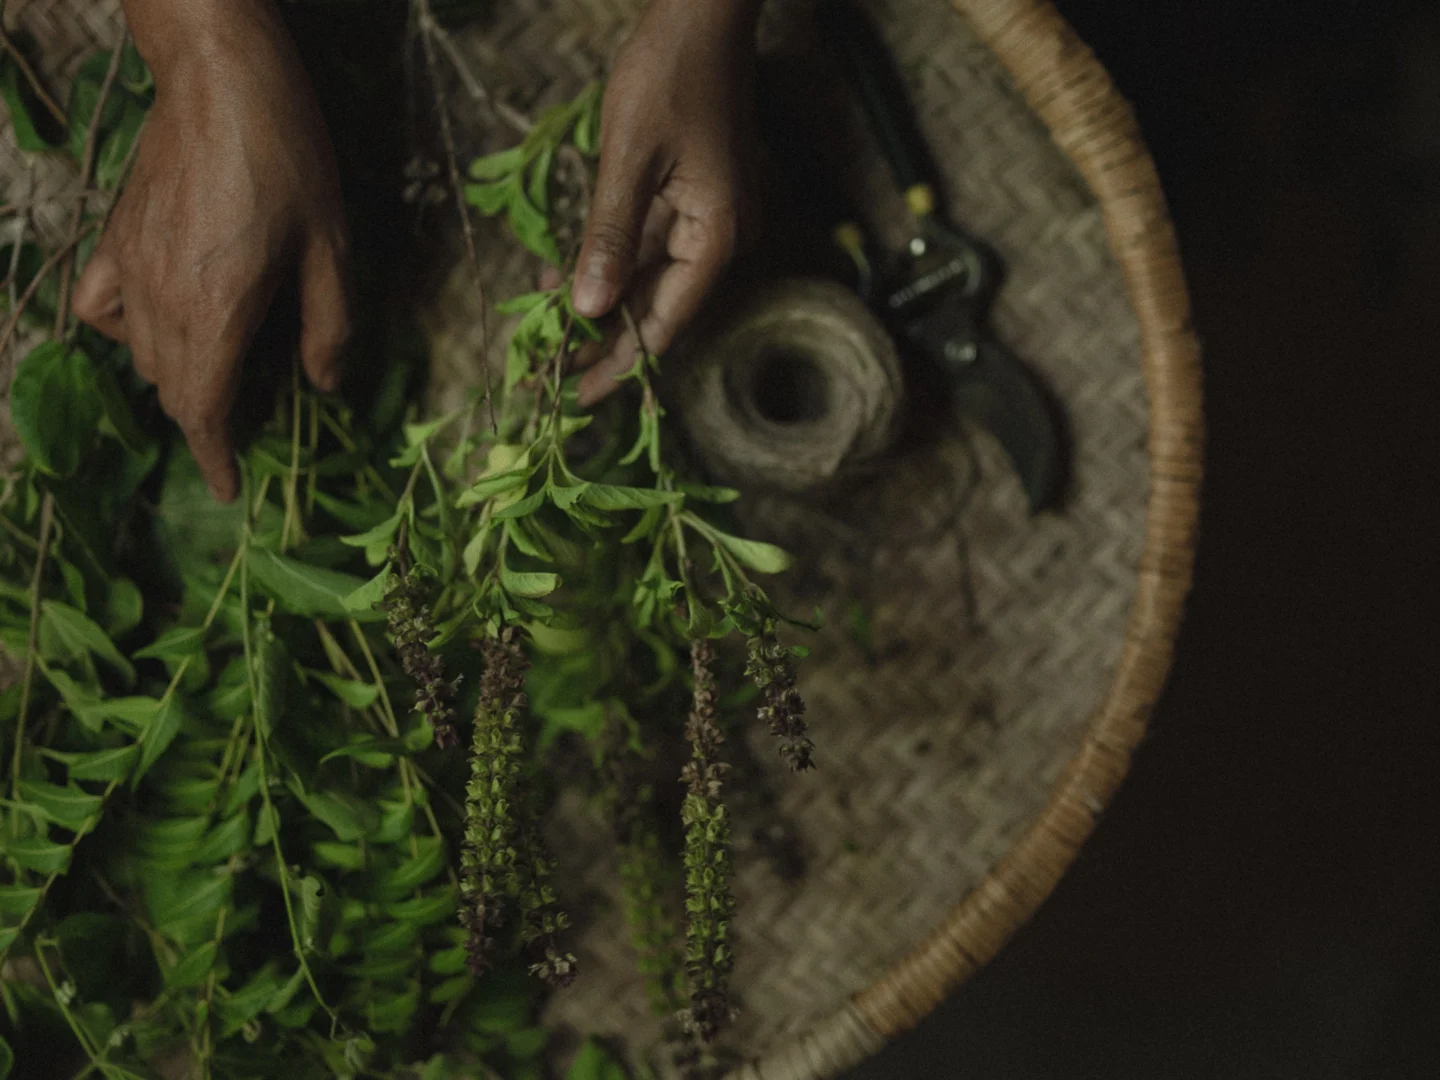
column 968, row 738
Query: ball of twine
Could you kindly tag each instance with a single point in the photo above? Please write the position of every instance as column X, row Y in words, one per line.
column 792, row 387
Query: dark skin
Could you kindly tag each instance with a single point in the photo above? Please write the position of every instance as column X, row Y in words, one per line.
column 235, row 189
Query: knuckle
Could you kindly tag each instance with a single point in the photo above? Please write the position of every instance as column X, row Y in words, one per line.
column 611, row 238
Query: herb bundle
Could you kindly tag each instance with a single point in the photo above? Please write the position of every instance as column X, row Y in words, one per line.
column 275, row 772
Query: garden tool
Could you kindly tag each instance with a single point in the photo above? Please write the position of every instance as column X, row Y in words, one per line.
column 935, row 294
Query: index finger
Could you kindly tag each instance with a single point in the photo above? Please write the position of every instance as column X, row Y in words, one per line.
column 679, row 292
column 209, row 380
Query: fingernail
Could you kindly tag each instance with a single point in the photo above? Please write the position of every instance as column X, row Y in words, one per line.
column 593, row 295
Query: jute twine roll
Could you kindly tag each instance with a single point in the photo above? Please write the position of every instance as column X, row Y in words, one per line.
column 798, row 382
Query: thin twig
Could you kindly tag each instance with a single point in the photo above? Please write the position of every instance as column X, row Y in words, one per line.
column 425, row 17
column 35, row 283
column 87, row 165
column 37, row 581
column 34, row 80
column 473, row 86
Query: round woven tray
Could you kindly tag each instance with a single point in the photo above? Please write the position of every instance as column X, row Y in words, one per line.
column 978, row 716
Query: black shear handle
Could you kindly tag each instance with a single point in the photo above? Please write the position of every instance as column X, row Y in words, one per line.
column 850, row 31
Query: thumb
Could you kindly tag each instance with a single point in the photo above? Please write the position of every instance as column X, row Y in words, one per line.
column 612, row 235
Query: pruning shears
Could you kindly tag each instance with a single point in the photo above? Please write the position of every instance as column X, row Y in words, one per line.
column 935, row 294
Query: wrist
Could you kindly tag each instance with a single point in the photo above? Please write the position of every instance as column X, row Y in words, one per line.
column 170, row 34
column 719, row 21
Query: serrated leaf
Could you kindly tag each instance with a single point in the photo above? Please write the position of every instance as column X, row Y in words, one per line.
column 526, row 540
column 567, row 496
column 174, row 644
column 39, row 854
column 529, row 584
column 356, row 694
column 494, row 166
column 159, row 734
column 531, row 227
column 81, row 635
column 412, row 873
column 228, row 838
column 98, row 765
column 192, row 968
column 380, row 534
column 348, row 816
column 425, row 910
column 16, row 900
column 756, row 555
column 302, row 589
column 615, row 497
column 340, row 856
column 488, row 486
column 67, row 806
column 363, row 600
column 527, row 505
column 374, row 752
column 55, row 406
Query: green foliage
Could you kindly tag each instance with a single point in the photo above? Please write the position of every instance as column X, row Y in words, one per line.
column 218, row 776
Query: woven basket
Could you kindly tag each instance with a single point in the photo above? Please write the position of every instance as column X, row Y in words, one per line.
column 970, row 737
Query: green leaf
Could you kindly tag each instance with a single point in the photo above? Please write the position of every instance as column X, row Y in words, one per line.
column 527, row 583
column 527, row 505
column 361, row 602
column 340, row 856
column 174, row 645
column 380, row 534
column 55, row 406
column 755, row 555
column 113, row 764
column 358, row 695
column 527, row 1042
column 494, row 166
column 615, row 497
column 159, row 734
column 302, row 589
column 413, row 873
column 348, row 816
column 78, row 635
column 238, row 1008
column 38, row 854
column 525, row 302
column 425, row 910
column 192, row 968
column 373, row 752
column 15, row 91
column 505, row 1003
column 124, row 606
column 532, row 227
column 311, row 893
column 703, row 493
column 16, row 900
column 487, row 486
column 7, row 1059
column 567, row 496
column 594, row 1062
column 451, row 989
column 67, row 806
column 228, row 838
column 526, row 540
column 492, row 198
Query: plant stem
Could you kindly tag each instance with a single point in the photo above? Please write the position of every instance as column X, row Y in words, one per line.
column 87, row 165
column 47, row 521
column 425, row 17
column 23, row 66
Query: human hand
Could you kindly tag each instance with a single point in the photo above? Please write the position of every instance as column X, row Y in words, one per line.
column 234, row 187
column 667, row 208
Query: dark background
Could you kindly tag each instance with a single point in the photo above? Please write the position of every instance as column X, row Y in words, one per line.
column 1263, row 898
